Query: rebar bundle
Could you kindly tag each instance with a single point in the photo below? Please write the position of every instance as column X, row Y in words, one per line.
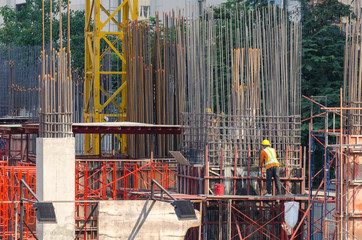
column 357, row 6
column 231, row 79
column 56, row 96
column 352, row 91
column 140, row 104
column 56, row 87
column 154, row 79
column 243, row 63
column 253, row 62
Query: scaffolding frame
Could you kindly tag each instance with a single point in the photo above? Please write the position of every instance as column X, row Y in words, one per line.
column 10, row 177
column 115, row 179
column 341, row 169
column 243, row 212
column 106, row 179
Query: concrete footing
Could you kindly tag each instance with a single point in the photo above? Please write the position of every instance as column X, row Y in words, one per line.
column 55, row 181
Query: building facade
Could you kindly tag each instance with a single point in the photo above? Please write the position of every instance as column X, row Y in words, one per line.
column 356, row 6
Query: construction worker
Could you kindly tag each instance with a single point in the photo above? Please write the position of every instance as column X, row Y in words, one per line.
column 269, row 157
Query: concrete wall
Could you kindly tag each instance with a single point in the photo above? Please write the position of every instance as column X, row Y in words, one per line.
column 55, row 181
column 141, row 220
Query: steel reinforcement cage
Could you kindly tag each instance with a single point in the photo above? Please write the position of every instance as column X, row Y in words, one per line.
column 244, row 133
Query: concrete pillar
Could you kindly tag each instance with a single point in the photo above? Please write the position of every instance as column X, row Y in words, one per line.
column 55, row 181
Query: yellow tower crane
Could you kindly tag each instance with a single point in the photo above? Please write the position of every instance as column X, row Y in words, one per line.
column 99, row 35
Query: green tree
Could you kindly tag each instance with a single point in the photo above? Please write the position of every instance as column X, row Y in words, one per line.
column 76, row 38
column 24, row 27
column 323, row 53
column 322, row 68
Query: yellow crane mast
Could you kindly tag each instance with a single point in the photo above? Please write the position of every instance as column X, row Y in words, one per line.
column 99, row 35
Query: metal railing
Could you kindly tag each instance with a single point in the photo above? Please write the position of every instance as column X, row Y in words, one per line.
column 153, row 183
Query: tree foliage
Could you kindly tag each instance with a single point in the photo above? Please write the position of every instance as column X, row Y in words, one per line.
column 24, row 27
column 322, row 64
column 323, row 52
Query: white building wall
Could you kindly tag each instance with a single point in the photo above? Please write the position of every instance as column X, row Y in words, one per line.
column 356, row 5
column 74, row 5
column 168, row 5
column 77, row 5
column 144, row 9
column 10, row 3
column 147, row 8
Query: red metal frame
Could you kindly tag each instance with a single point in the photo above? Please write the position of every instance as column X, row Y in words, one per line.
column 10, row 198
column 110, row 179
column 346, row 156
column 243, row 226
column 114, row 180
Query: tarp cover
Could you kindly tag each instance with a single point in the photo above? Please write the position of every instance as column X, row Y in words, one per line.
column 291, row 214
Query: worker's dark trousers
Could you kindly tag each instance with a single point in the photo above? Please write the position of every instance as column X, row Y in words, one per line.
column 272, row 172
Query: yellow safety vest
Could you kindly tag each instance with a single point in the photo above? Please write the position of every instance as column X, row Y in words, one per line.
column 272, row 158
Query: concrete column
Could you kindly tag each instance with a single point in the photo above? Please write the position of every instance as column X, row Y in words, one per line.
column 55, row 181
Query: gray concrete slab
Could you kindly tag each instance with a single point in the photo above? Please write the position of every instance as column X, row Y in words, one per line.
column 141, row 219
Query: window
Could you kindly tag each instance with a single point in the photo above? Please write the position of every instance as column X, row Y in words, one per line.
column 146, row 10
column 20, row 4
